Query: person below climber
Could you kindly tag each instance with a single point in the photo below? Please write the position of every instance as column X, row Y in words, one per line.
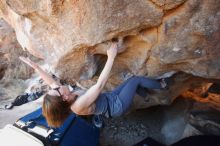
column 59, row 102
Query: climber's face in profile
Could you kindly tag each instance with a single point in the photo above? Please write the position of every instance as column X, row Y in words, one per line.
column 63, row 92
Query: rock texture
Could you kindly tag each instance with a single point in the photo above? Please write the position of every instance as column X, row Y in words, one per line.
column 12, row 71
column 188, row 40
column 168, row 4
column 157, row 37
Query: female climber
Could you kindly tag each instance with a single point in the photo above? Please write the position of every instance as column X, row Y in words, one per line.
column 60, row 101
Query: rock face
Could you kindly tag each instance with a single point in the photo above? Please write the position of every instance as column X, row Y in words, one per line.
column 168, row 4
column 188, row 39
column 207, row 121
column 12, row 71
column 7, row 42
column 157, row 37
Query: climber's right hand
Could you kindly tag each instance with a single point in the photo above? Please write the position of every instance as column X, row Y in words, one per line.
column 112, row 51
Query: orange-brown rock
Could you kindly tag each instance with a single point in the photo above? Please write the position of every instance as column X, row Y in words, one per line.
column 188, row 40
column 157, row 37
column 168, row 4
column 201, row 94
column 12, row 71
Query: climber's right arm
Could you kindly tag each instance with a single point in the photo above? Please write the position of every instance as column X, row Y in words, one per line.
column 89, row 97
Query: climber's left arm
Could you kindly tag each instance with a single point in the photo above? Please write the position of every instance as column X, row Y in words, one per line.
column 43, row 74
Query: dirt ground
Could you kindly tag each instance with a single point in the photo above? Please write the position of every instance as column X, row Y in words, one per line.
column 10, row 116
column 130, row 129
column 162, row 123
column 126, row 130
